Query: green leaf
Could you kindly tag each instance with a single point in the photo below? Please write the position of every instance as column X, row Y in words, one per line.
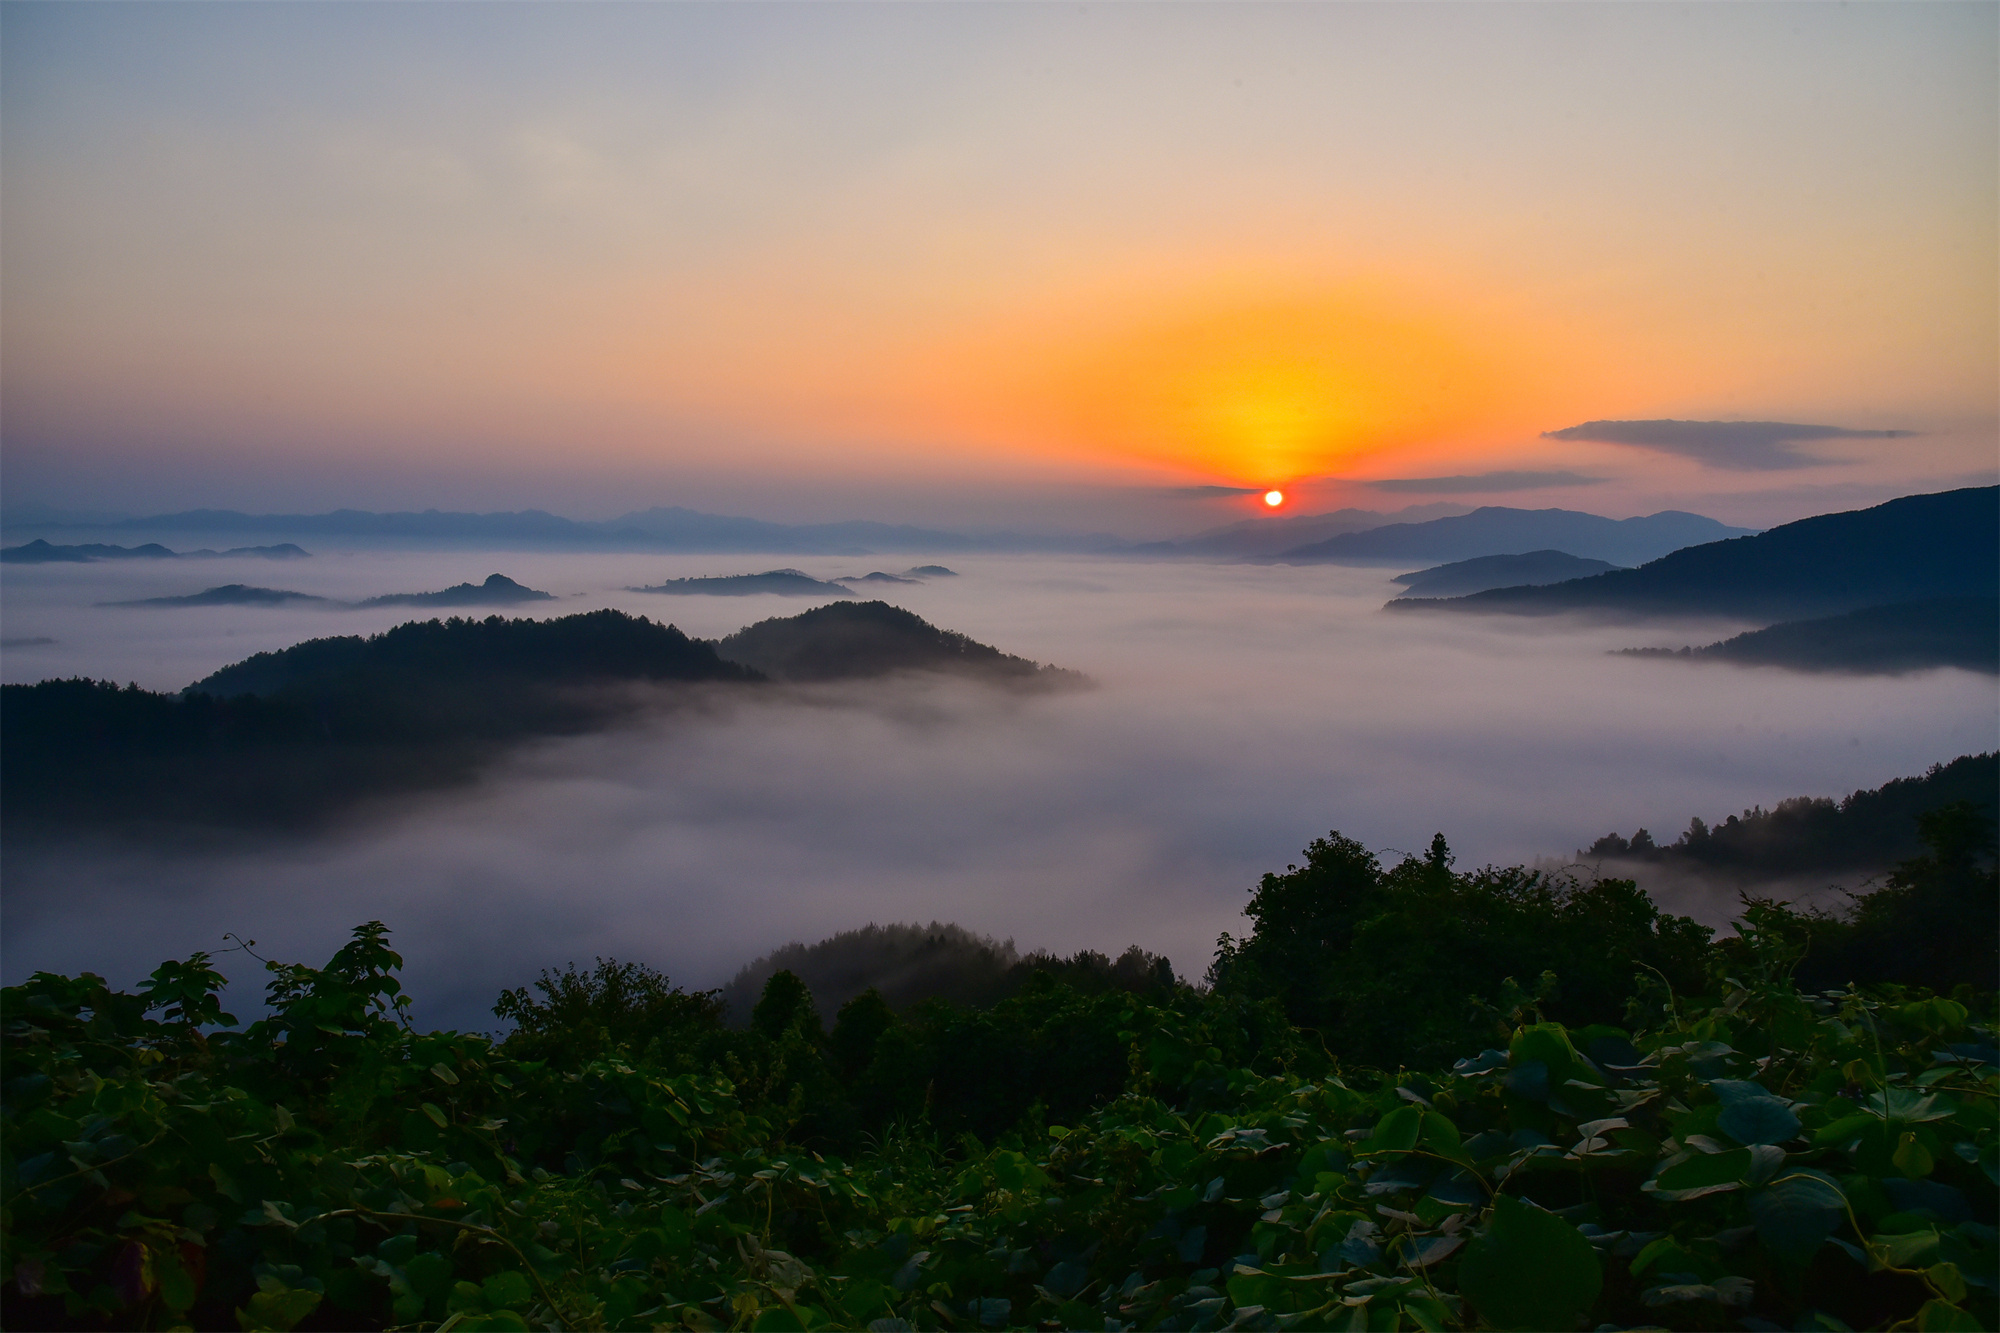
column 1795, row 1215
column 1758, row 1120
column 279, row 1309
column 507, row 1291
column 429, row 1275
column 437, row 1116
column 1529, row 1269
column 1704, row 1173
column 1398, row 1131
column 443, row 1073
column 1938, row 1317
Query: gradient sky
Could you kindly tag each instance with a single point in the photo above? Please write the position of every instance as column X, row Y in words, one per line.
column 1021, row 264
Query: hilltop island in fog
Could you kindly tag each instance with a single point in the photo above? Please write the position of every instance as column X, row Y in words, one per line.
column 291, row 738
column 780, row 582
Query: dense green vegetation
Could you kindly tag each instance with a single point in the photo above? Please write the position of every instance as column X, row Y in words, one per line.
column 908, row 963
column 1866, row 831
column 1702, row 1145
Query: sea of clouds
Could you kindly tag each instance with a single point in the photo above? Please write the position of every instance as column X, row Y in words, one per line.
column 1238, row 711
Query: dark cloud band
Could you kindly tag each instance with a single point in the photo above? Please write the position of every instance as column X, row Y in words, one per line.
column 1741, row 446
column 1484, row 483
column 1211, row 492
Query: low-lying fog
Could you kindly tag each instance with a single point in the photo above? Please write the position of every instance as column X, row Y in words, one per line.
column 1239, row 712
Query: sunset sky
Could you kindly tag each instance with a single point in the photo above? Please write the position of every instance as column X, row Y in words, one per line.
column 996, row 264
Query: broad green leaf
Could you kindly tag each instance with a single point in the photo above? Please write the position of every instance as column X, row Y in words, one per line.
column 436, row 1116
column 429, row 1275
column 1705, row 1173
column 1762, row 1119
column 1938, row 1317
column 1795, row 1214
column 506, row 1290
column 1529, row 1269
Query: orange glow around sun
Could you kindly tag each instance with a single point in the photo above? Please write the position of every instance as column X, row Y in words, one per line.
column 1241, row 389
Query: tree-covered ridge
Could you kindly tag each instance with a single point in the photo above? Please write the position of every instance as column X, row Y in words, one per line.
column 1740, row 1153
column 592, row 646
column 1867, row 830
column 1959, row 632
column 858, row 639
column 306, row 734
column 909, row 963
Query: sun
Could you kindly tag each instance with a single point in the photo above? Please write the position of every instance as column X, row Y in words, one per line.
column 1274, row 498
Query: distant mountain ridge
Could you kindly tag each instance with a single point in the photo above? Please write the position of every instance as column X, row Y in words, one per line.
column 669, row 528
column 40, row 552
column 1270, row 534
column 1916, row 548
column 1496, row 530
column 1498, row 571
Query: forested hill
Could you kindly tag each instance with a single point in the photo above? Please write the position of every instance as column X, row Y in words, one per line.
column 298, row 736
column 848, row 640
column 593, row 646
column 1876, row 640
column 1912, row 549
column 1867, row 830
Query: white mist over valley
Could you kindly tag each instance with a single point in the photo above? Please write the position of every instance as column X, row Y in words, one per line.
column 1236, row 712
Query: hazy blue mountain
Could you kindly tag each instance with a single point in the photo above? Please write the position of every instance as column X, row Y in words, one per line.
column 1268, row 535
column 498, row 590
column 1498, row 571
column 657, row 529
column 40, row 552
column 932, row 572
column 1494, row 530
column 1878, row 640
column 231, row 594
column 781, row 582
column 856, row 639
column 877, row 577
column 1913, row 549
column 691, row 530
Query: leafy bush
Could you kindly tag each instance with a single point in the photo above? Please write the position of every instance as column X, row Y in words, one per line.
column 1739, row 1153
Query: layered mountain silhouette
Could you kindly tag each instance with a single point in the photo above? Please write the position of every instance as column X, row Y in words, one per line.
column 1495, row 530
column 1269, row 535
column 40, row 552
column 1918, row 548
column 662, row 528
column 498, row 590
column 300, row 736
column 1878, row 640
column 856, row 639
column 1498, row 571
column 778, row 582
